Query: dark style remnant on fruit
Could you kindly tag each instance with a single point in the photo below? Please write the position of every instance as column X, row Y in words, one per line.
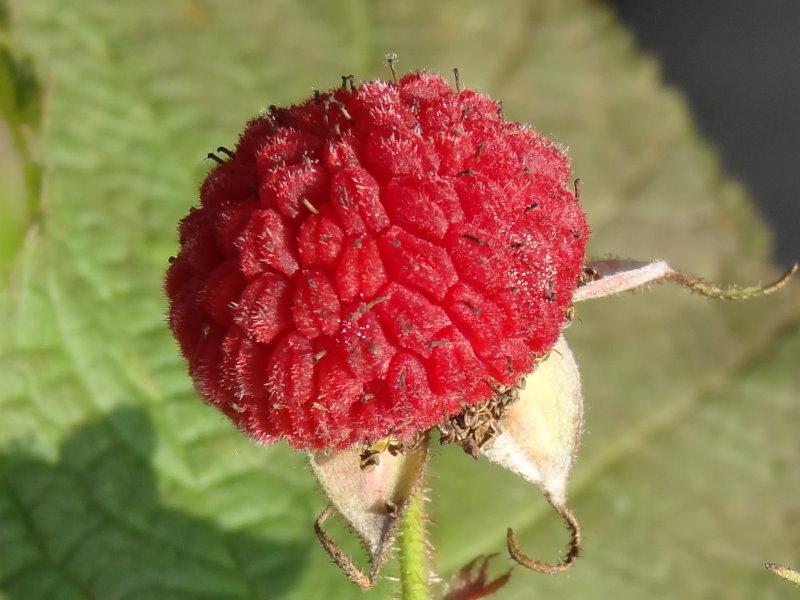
column 476, row 427
column 374, row 260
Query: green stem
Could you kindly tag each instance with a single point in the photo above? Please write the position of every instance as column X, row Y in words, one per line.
column 413, row 553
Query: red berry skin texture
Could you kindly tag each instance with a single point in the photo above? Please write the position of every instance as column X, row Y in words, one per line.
column 370, row 261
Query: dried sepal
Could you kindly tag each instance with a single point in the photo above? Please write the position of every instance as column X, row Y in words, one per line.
column 609, row 277
column 541, row 430
column 471, row 581
column 371, row 500
column 540, row 437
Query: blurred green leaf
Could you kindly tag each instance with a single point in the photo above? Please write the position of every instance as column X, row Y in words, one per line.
column 20, row 94
column 20, row 113
column 116, row 482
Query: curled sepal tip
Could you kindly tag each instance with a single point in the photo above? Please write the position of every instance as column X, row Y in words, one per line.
column 371, row 499
column 608, row 277
column 540, row 435
column 571, row 555
column 340, row 557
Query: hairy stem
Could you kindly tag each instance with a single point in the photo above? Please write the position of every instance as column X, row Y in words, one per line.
column 785, row 572
column 413, row 554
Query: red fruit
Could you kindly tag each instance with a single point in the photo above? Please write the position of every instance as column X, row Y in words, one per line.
column 369, row 262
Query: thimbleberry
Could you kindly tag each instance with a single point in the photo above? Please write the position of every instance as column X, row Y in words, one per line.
column 383, row 260
column 372, row 260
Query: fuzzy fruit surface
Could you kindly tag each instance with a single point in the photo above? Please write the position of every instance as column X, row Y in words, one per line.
column 372, row 260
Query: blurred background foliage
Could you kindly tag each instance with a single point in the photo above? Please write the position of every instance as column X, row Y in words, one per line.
column 116, row 482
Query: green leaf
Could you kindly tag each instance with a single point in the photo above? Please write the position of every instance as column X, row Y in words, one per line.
column 116, row 482
column 20, row 114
